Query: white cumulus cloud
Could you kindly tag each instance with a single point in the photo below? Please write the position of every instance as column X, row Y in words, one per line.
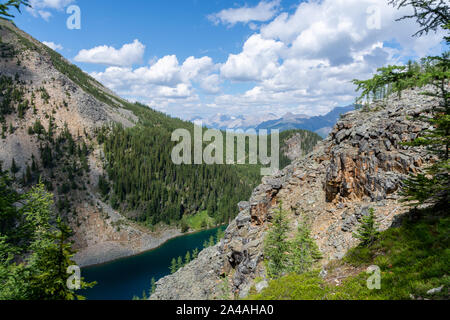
column 257, row 61
column 128, row 55
column 41, row 8
column 163, row 81
column 53, row 45
column 304, row 62
column 264, row 11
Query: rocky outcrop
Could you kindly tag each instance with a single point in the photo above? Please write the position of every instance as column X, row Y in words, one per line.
column 368, row 157
column 206, row 269
column 358, row 167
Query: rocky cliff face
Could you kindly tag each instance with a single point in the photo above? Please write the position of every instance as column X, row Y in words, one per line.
column 359, row 166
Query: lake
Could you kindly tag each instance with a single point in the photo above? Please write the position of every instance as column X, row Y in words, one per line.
column 127, row 277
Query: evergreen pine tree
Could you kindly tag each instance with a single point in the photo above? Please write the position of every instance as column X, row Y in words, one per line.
column 34, row 167
column 7, row 5
column 152, row 286
column 433, row 184
column 28, row 175
column 173, row 266
column 211, row 241
column 179, row 263
column 430, row 15
column 367, row 232
column 219, row 235
column 187, row 258
column 184, row 226
column 44, row 242
column 14, row 168
column 195, row 254
column 303, row 251
column 276, row 246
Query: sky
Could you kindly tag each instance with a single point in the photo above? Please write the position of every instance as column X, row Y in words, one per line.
column 203, row 57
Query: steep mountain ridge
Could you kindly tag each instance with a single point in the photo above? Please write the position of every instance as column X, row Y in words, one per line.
column 54, row 95
column 359, row 166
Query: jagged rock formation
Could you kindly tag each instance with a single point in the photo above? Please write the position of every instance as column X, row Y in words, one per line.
column 359, row 166
column 367, row 158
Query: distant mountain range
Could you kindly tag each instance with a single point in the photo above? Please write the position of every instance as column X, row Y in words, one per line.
column 223, row 121
column 322, row 125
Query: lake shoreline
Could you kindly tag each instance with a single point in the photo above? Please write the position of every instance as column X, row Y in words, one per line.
column 128, row 277
column 110, row 251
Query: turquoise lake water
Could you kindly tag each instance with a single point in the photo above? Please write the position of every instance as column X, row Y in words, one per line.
column 124, row 278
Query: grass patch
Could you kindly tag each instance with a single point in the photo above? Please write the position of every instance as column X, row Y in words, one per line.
column 199, row 221
column 413, row 259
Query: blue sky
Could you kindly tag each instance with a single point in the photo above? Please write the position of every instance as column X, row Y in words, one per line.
column 165, row 27
column 202, row 57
